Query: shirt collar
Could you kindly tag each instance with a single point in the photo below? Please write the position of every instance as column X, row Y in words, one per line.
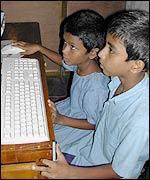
column 115, row 82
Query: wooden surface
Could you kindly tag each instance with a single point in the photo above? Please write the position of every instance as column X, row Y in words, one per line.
column 17, row 159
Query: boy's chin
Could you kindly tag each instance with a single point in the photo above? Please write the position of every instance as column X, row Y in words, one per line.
column 68, row 63
column 105, row 72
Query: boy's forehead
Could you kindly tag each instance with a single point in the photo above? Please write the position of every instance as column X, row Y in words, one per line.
column 72, row 38
column 116, row 43
column 114, row 40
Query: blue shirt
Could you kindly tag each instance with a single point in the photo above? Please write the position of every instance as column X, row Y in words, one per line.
column 122, row 134
column 87, row 96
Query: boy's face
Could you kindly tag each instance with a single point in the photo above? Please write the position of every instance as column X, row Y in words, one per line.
column 113, row 56
column 74, row 52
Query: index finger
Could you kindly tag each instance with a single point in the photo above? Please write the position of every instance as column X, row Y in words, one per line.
column 40, row 168
column 47, row 162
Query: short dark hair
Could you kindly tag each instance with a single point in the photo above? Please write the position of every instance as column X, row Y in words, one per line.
column 88, row 25
column 132, row 27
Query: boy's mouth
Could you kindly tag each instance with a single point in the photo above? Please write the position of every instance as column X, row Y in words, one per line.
column 101, row 66
column 65, row 59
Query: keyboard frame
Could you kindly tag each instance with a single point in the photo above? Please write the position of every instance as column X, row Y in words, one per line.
column 32, row 152
column 28, row 79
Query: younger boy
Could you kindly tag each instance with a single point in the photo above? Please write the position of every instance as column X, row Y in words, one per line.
column 83, row 34
column 120, row 145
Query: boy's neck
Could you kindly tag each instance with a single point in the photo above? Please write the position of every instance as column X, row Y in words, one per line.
column 88, row 68
column 129, row 83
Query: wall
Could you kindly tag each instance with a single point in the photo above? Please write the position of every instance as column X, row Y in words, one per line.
column 144, row 5
column 49, row 14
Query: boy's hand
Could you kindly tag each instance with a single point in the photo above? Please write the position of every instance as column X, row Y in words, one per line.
column 55, row 114
column 28, row 47
column 58, row 169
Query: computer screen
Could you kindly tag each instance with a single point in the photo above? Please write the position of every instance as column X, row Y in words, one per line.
column 2, row 22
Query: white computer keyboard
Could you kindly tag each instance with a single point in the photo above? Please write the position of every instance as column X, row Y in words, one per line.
column 23, row 115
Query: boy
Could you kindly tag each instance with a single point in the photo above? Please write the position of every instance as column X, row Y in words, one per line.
column 120, row 145
column 83, row 34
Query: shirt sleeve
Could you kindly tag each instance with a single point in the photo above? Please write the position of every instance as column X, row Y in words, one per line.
column 93, row 102
column 70, row 68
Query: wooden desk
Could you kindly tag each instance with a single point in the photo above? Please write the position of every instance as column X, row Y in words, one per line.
column 17, row 159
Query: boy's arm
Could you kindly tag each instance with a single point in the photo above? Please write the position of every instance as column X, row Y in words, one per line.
column 52, row 55
column 68, row 121
column 73, row 122
column 60, row 169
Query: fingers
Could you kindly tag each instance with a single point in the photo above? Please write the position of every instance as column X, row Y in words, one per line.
column 58, row 151
column 46, row 168
column 46, row 174
column 53, row 108
column 60, row 156
column 54, row 112
column 39, row 168
column 50, row 103
column 21, row 43
column 45, row 171
column 53, row 169
column 23, row 53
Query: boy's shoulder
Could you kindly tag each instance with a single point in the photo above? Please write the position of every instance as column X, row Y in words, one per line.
column 67, row 67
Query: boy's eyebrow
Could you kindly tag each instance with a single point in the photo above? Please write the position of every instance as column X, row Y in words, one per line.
column 75, row 44
column 111, row 45
column 70, row 42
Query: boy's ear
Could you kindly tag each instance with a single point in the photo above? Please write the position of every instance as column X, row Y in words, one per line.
column 137, row 66
column 93, row 53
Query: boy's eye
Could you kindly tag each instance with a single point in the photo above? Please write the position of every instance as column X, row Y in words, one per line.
column 110, row 50
column 73, row 47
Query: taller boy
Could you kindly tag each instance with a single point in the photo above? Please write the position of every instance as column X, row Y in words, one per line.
column 120, row 145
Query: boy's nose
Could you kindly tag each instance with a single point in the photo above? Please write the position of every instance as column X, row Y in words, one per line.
column 65, row 48
column 101, row 54
column 63, row 51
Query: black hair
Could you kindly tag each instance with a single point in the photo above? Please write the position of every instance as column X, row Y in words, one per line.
column 132, row 27
column 88, row 25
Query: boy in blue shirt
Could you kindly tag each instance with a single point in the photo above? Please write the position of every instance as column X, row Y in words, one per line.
column 120, row 145
column 83, row 34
